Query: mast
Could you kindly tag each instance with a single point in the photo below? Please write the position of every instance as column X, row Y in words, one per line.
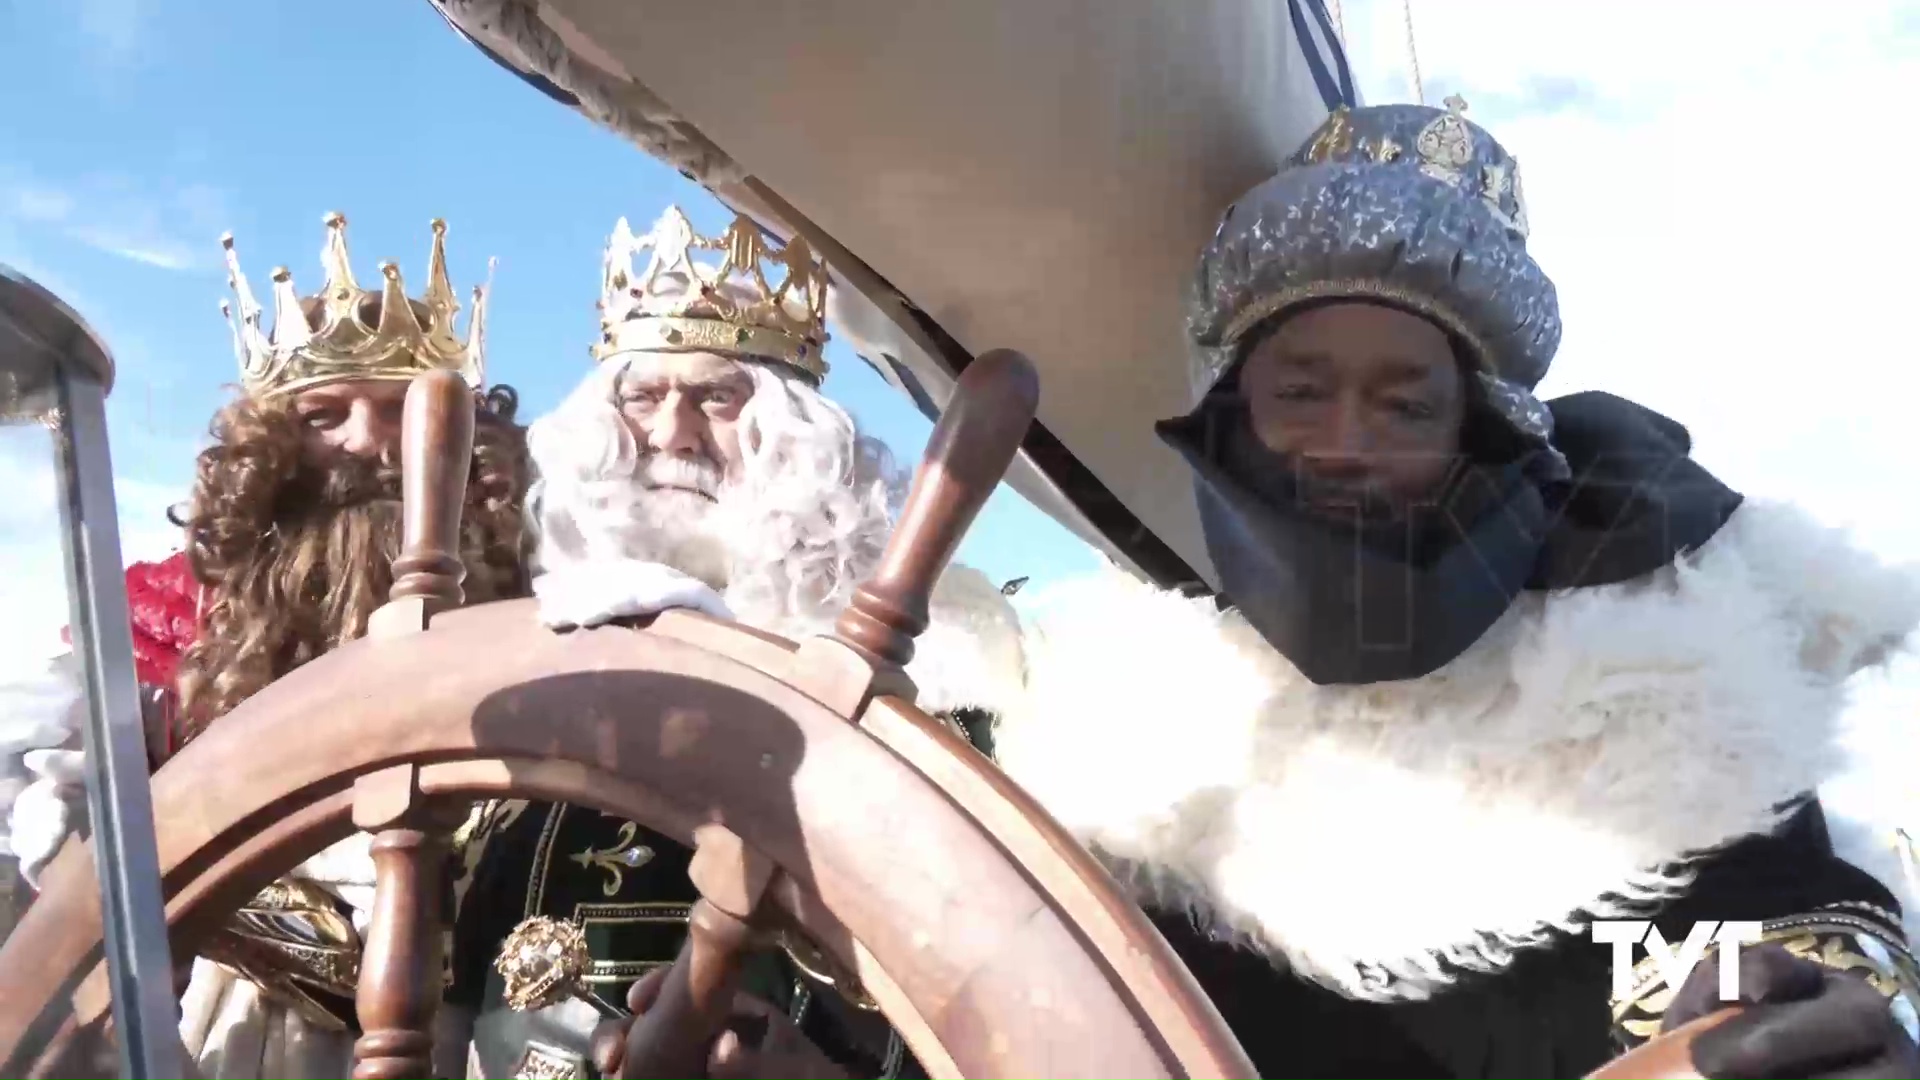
column 1413, row 54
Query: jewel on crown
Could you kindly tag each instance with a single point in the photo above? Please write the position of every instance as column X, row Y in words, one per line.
column 1443, row 150
column 407, row 338
column 678, row 303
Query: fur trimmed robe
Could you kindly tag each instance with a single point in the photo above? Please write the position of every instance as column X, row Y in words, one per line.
column 1597, row 754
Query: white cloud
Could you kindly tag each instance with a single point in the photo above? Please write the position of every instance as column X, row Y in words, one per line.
column 152, row 471
column 33, row 588
column 166, row 227
column 159, row 252
column 1722, row 194
column 133, row 354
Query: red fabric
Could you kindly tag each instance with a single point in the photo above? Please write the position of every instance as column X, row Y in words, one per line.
column 163, row 601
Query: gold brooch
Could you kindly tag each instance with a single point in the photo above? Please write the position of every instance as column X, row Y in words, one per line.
column 543, row 962
column 1445, row 145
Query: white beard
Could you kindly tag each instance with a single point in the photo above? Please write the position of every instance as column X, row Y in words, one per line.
column 1563, row 768
column 970, row 655
column 671, row 511
column 683, row 530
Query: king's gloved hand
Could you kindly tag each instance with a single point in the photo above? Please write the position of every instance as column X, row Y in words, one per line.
column 593, row 593
column 758, row 1043
column 1802, row 1019
column 46, row 811
column 41, row 706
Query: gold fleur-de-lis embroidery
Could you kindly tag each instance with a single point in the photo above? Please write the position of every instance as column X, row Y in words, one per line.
column 626, row 853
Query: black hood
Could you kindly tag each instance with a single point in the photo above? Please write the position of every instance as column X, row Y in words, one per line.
column 1362, row 601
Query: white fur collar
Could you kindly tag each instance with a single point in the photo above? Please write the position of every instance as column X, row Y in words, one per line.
column 1558, row 770
column 970, row 654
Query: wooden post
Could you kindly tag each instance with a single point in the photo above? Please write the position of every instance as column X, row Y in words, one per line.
column 401, row 965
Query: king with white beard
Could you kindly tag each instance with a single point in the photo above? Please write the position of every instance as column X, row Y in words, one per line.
column 698, row 466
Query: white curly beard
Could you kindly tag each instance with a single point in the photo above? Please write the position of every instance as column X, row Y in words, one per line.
column 676, row 514
column 785, row 542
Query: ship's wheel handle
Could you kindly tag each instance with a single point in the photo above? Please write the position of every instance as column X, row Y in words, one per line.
column 971, row 447
column 399, row 989
column 436, row 453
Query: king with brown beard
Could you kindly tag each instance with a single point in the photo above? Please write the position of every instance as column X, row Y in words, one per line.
column 291, row 530
column 292, row 537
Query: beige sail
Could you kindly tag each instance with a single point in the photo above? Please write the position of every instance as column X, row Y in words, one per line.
column 1031, row 177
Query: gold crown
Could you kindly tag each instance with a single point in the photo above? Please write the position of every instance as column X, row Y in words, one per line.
column 679, row 305
column 398, row 345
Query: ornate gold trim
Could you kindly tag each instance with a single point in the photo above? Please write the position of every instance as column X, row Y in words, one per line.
column 1834, row 937
column 543, row 1062
column 536, row 891
column 292, row 941
column 662, row 334
column 609, row 915
column 1358, row 288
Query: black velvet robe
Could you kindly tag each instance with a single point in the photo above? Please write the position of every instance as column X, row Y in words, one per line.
column 627, row 886
column 1546, row 1015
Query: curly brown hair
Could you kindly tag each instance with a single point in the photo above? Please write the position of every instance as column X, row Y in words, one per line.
column 294, row 557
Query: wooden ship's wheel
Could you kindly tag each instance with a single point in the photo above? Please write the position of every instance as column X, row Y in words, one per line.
column 814, row 793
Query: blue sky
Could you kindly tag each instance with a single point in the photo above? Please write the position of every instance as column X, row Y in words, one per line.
column 156, row 126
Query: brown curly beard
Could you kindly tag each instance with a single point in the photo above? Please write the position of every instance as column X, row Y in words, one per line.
column 294, row 557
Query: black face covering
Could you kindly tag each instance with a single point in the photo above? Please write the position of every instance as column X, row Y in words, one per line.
column 1372, row 598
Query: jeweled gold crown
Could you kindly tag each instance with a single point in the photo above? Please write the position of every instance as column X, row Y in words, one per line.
column 680, row 305
column 399, row 344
